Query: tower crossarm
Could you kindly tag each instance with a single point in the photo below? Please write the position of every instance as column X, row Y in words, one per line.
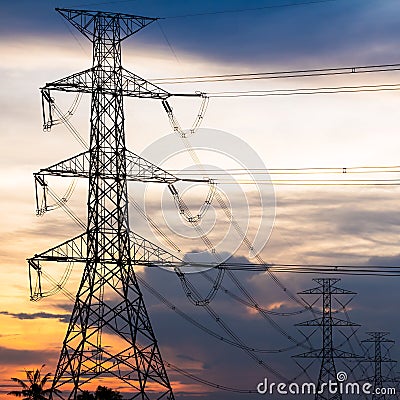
column 378, row 337
column 74, row 249
column 135, row 86
column 332, row 289
column 77, row 82
column 84, row 21
column 332, row 322
column 336, row 353
column 132, row 85
column 382, row 359
column 82, row 82
column 71, row 251
column 76, row 166
column 142, row 252
column 137, row 169
column 310, row 354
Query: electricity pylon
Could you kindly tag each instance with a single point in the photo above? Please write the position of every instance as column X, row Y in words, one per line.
column 378, row 340
column 109, row 334
column 328, row 353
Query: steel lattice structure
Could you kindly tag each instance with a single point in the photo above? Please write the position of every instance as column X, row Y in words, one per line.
column 328, row 353
column 109, row 335
column 378, row 339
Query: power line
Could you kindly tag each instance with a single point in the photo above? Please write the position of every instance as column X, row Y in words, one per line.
column 103, row 2
column 306, row 91
column 209, row 331
column 289, row 171
column 314, row 182
column 302, row 3
column 214, row 12
column 298, row 268
column 280, row 74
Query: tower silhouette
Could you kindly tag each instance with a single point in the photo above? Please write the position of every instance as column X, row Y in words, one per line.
column 109, row 336
column 378, row 340
column 328, row 353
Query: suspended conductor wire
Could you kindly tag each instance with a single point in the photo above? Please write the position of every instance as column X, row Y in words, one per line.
column 64, row 117
column 64, row 206
column 184, row 210
column 209, row 331
column 59, row 200
column 197, row 122
column 153, row 224
column 306, row 91
column 66, row 292
column 279, row 74
column 354, row 332
column 362, row 169
column 168, row 42
column 301, row 3
column 58, row 285
column 236, row 338
column 190, row 290
column 239, row 230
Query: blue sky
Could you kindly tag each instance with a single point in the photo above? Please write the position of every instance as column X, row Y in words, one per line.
column 318, row 34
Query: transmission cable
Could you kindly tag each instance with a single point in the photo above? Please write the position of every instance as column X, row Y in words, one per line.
column 279, row 74
column 188, row 286
column 207, row 330
column 305, row 91
column 301, row 3
column 235, row 224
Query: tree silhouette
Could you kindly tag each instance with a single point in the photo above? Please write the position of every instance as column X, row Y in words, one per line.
column 102, row 393
column 85, row 395
column 34, row 388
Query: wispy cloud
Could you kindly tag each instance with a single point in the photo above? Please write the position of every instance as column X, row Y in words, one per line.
column 44, row 315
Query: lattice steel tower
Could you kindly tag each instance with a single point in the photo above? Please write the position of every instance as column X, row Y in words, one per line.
column 328, row 353
column 378, row 339
column 109, row 334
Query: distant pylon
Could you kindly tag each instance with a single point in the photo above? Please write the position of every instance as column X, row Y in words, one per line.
column 109, row 338
column 378, row 339
column 328, row 353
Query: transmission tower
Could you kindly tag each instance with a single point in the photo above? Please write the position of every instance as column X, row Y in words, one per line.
column 328, row 353
column 379, row 342
column 109, row 334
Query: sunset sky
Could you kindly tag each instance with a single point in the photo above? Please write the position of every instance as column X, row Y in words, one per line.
column 330, row 225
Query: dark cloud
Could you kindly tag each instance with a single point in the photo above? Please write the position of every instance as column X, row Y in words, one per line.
column 230, row 365
column 388, row 261
column 24, row 357
column 44, row 315
column 357, row 31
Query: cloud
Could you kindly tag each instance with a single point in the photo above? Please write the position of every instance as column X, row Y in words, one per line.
column 271, row 35
column 388, row 261
column 25, row 357
column 44, row 315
